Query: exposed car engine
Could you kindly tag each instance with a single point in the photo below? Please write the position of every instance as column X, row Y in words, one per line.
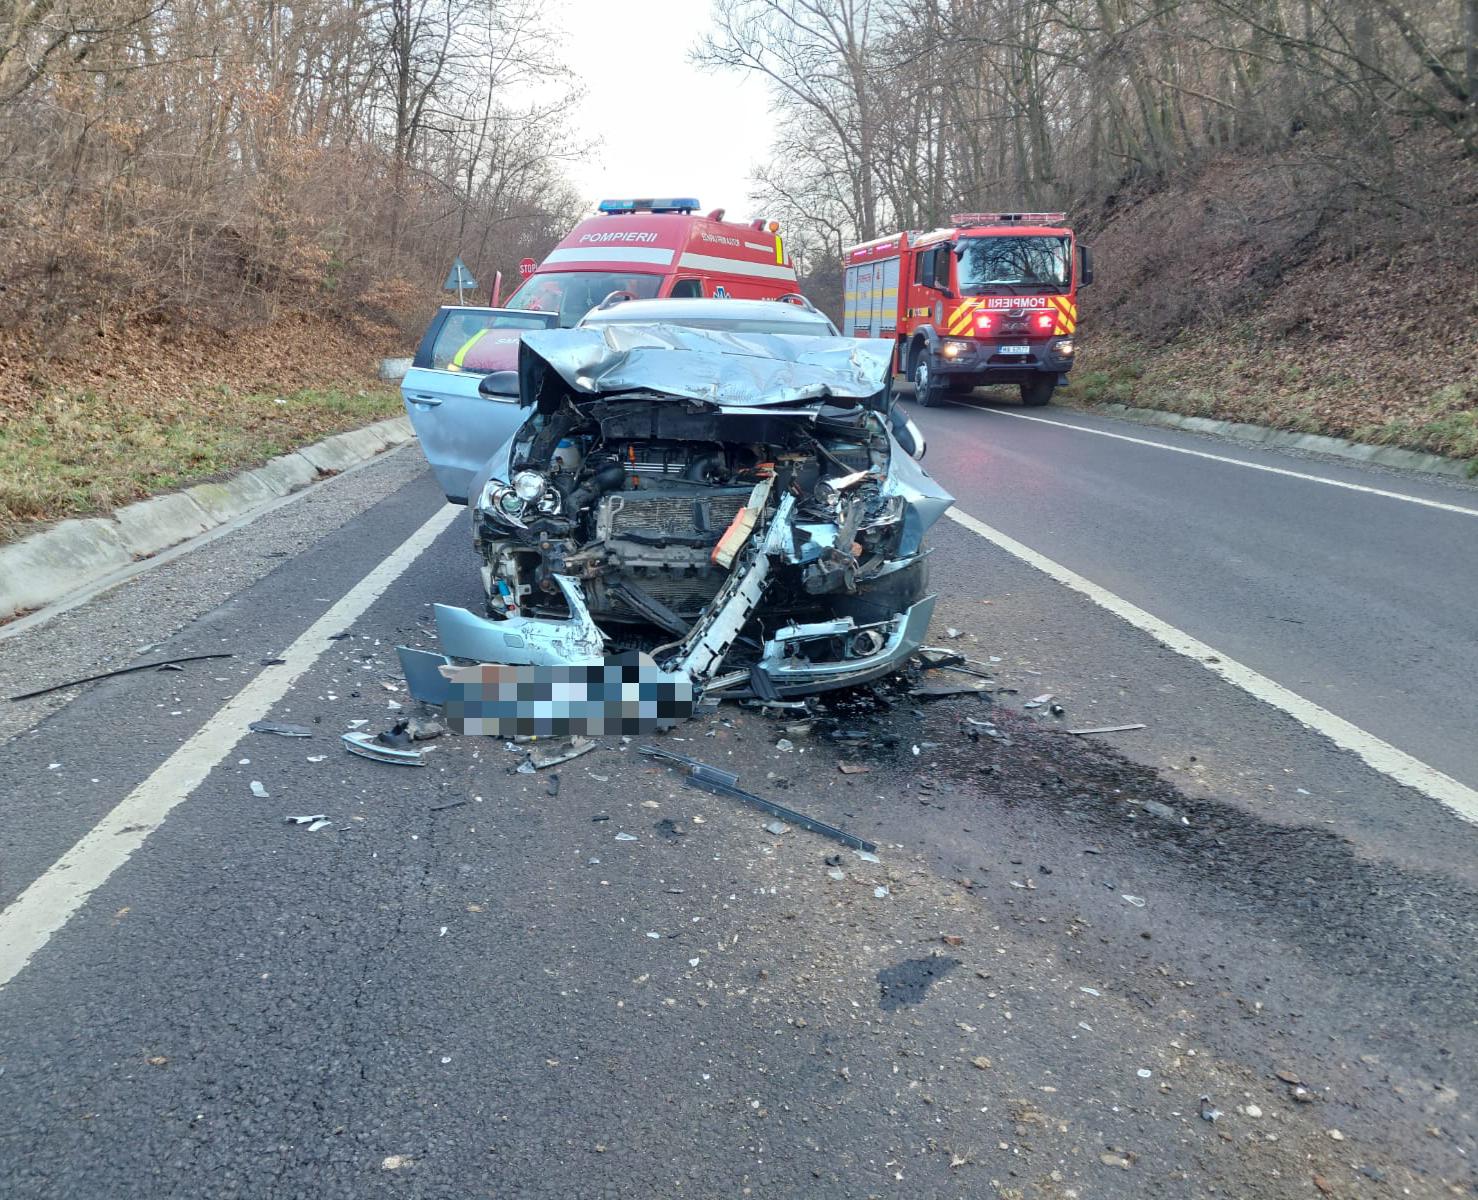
column 640, row 498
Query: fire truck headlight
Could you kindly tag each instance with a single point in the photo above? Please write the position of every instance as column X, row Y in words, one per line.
column 1065, row 347
column 953, row 348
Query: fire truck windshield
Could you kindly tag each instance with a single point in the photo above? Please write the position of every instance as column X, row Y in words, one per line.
column 572, row 294
column 1021, row 262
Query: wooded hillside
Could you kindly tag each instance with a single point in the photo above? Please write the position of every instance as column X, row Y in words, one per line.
column 217, row 161
column 1283, row 194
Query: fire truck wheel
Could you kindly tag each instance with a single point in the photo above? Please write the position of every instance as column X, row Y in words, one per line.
column 926, row 388
column 1036, row 394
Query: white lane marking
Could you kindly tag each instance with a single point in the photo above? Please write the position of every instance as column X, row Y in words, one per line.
column 44, row 907
column 1239, row 462
column 1380, row 755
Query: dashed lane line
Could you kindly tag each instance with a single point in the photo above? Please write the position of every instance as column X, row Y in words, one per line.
column 50, row 902
column 1379, row 754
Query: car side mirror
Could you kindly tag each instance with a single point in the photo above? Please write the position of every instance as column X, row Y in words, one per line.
column 1085, row 266
column 499, row 383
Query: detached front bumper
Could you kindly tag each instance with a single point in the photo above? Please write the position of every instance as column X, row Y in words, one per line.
column 790, row 671
column 788, row 664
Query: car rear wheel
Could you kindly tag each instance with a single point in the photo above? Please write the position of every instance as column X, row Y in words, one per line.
column 1036, row 393
column 926, row 388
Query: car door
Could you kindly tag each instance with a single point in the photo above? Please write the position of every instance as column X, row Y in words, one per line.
column 458, row 427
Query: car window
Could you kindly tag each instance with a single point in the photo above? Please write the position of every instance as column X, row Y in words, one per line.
column 687, row 289
column 572, row 294
column 463, row 329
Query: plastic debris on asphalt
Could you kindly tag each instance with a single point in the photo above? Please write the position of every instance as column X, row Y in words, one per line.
column 258, row 790
column 281, row 728
column 627, row 837
column 573, row 748
column 1137, row 901
column 315, row 822
column 365, row 745
column 1105, row 729
column 725, row 783
column 1037, row 702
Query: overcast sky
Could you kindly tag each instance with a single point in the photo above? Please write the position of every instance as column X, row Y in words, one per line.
column 661, row 127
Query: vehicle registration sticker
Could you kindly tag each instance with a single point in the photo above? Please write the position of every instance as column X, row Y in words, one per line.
column 1014, row 350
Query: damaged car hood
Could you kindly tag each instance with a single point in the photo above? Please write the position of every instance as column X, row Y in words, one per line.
column 731, row 370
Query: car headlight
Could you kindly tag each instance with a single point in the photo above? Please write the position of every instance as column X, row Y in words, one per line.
column 529, row 485
column 488, row 500
column 1065, row 347
column 953, row 348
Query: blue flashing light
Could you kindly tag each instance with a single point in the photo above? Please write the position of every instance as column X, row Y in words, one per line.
column 672, row 205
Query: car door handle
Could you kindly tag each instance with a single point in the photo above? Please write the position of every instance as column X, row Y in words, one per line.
column 428, row 401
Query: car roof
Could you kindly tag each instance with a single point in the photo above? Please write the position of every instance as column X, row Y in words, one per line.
column 679, row 310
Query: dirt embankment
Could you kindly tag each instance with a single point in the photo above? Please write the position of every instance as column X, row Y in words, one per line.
column 95, row 415
column 1287, row 293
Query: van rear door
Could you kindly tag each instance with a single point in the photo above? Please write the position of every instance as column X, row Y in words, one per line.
column 459, row 428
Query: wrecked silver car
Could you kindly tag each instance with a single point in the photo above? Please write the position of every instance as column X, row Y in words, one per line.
column 740, row 506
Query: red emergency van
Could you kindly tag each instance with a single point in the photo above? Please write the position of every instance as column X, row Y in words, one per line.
column 639, row 250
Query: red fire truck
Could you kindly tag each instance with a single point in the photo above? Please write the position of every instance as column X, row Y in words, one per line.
column 991, row 300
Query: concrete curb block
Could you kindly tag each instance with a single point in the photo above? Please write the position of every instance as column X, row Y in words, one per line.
column 46, row 566
column 1287, row 439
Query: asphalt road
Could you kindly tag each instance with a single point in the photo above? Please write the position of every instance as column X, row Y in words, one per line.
column 503, row 999
column 1360, row 602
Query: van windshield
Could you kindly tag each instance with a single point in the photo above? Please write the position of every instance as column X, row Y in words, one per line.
column 572, row 294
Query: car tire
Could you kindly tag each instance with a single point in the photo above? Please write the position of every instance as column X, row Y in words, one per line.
column 1036, row 393
column 926, row 389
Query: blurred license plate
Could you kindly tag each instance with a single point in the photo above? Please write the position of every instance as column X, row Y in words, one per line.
column 1014, row 350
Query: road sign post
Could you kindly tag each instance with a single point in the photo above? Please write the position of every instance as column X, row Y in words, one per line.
column 459, row 279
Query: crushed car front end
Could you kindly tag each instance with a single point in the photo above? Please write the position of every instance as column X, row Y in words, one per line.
column 735, row 505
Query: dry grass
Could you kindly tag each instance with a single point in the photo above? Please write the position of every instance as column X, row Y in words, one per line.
column 1287, row 387
column 98, row 418
column 75, row 453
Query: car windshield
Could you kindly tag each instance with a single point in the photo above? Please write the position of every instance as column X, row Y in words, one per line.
column 572, row 294
column 1020, row 262
column 727, row 325
column 462, row 331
